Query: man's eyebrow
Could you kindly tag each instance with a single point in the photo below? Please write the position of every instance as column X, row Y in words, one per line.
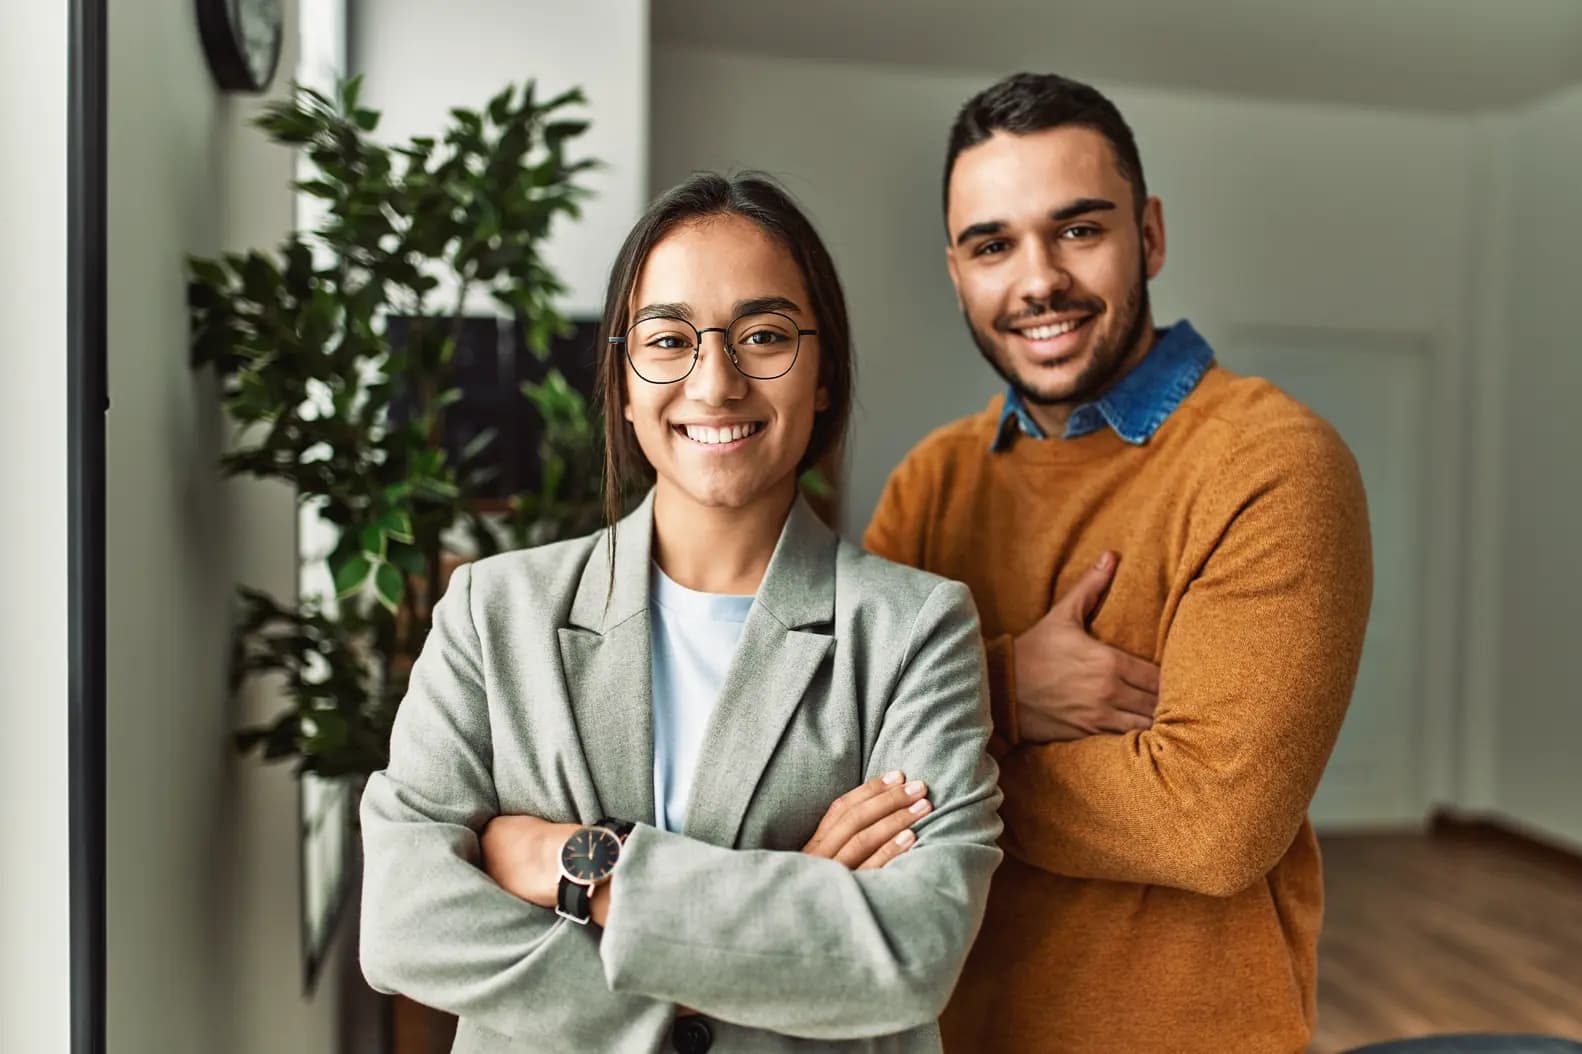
column 759, row 304
column 662, row 311
column 979, row 229
column 1080, row 207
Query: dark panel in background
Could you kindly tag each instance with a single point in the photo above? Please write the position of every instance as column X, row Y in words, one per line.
column 492, row 360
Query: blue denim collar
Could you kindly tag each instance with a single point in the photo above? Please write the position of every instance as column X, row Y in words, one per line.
column 1138, row 403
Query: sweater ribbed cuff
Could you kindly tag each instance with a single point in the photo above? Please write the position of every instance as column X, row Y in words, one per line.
column 1001, row 654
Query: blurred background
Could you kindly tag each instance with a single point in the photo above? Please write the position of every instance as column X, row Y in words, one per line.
column 1373, row 204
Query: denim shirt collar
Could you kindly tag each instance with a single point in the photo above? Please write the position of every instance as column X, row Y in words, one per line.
column 1138, row 403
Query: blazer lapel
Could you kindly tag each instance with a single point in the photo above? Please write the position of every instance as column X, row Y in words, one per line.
column 604, row 654
column 784, row 642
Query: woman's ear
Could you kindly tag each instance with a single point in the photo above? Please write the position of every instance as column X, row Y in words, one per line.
column 821, row 399
column 626, row 411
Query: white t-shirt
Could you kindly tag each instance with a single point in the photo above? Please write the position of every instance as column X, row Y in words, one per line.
column 694, row 637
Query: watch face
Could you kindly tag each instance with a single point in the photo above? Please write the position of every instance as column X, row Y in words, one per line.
column 257, row 25
column 590, row 855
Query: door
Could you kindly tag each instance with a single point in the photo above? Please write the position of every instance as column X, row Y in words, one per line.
column 1373, row 388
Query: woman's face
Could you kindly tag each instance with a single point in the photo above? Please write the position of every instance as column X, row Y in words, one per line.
column 706, row 271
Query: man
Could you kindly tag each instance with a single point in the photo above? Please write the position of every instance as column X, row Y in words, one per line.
column 1161, row 889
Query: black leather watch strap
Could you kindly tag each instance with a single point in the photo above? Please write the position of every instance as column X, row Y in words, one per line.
column 622, row 828
column 571, row 900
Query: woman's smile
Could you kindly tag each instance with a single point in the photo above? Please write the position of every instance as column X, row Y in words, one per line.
column 722, row 438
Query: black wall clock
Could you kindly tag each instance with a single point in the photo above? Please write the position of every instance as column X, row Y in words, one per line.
column 242, row 40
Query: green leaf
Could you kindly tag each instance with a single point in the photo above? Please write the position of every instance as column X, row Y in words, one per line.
column 351, row 88
column 353, row 573
column 500, row 106
column 207, row 271
column 389, row 584
column 573, row 95
column 557, row 132
column 408, row 559
column 319, row 189
column 438, row 489
column 396, row 524
column 373, row 542
column 469, row 120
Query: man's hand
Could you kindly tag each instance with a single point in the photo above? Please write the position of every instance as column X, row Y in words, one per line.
column 1069, row 685
column 868, row 827
column 522, row 855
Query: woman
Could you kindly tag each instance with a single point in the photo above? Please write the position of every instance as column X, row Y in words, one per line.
column 695, row 685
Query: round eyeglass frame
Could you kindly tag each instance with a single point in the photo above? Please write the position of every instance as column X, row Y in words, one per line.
column 697, row 347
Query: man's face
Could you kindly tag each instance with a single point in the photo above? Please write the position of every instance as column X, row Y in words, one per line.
column 1051, row 262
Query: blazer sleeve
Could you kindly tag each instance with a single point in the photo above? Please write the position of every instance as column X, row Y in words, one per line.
column 435, row 927
column 799, row 944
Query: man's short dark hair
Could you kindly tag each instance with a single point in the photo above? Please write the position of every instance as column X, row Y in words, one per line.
column 1024, row 103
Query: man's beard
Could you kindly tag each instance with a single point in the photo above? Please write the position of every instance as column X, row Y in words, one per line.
column 1106, row 362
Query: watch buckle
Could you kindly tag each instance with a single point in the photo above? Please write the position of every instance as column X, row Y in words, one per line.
column 573, row 918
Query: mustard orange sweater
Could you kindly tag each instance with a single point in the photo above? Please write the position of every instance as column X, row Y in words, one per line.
column 1161, row 890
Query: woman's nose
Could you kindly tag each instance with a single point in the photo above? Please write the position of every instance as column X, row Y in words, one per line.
column 714, row 379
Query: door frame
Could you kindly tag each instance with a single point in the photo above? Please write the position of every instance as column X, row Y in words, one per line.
column 87, row 402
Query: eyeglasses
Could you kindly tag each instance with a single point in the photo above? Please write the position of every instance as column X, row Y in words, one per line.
column 762, row 346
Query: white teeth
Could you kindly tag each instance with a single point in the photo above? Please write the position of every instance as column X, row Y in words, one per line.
column 716, row 436
column 1047, row 332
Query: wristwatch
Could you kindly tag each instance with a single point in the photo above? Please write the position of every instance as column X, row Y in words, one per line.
column 587, row 860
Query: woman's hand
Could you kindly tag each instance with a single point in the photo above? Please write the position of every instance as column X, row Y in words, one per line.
column 868, row 827
column 522, row 855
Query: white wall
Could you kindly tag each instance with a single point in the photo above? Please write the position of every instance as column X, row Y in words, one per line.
column 1536, row 705
column 419, row 59
column 35, row 992
column 1296, row 222
column 203, row 845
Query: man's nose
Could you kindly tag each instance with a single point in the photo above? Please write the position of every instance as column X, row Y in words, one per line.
column 1041, row 276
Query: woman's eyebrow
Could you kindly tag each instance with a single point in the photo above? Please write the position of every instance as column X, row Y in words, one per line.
column 681, row 311
column 759, row 304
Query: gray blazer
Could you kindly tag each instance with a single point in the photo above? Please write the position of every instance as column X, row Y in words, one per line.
column 532, row 696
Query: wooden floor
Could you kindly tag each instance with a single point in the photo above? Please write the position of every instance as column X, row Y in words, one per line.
column 1454, row 932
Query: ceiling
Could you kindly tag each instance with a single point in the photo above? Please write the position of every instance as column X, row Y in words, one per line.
column 1445, row 55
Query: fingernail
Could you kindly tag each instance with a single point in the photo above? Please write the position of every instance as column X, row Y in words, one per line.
column 915, row 787
column 892, row 778
column 1103, row 563
column 920, row 806
column 905, row 838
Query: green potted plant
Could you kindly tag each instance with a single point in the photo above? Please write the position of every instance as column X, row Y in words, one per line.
column 300, row 340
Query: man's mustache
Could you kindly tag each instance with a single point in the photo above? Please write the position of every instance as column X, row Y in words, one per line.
column 1052, row 306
